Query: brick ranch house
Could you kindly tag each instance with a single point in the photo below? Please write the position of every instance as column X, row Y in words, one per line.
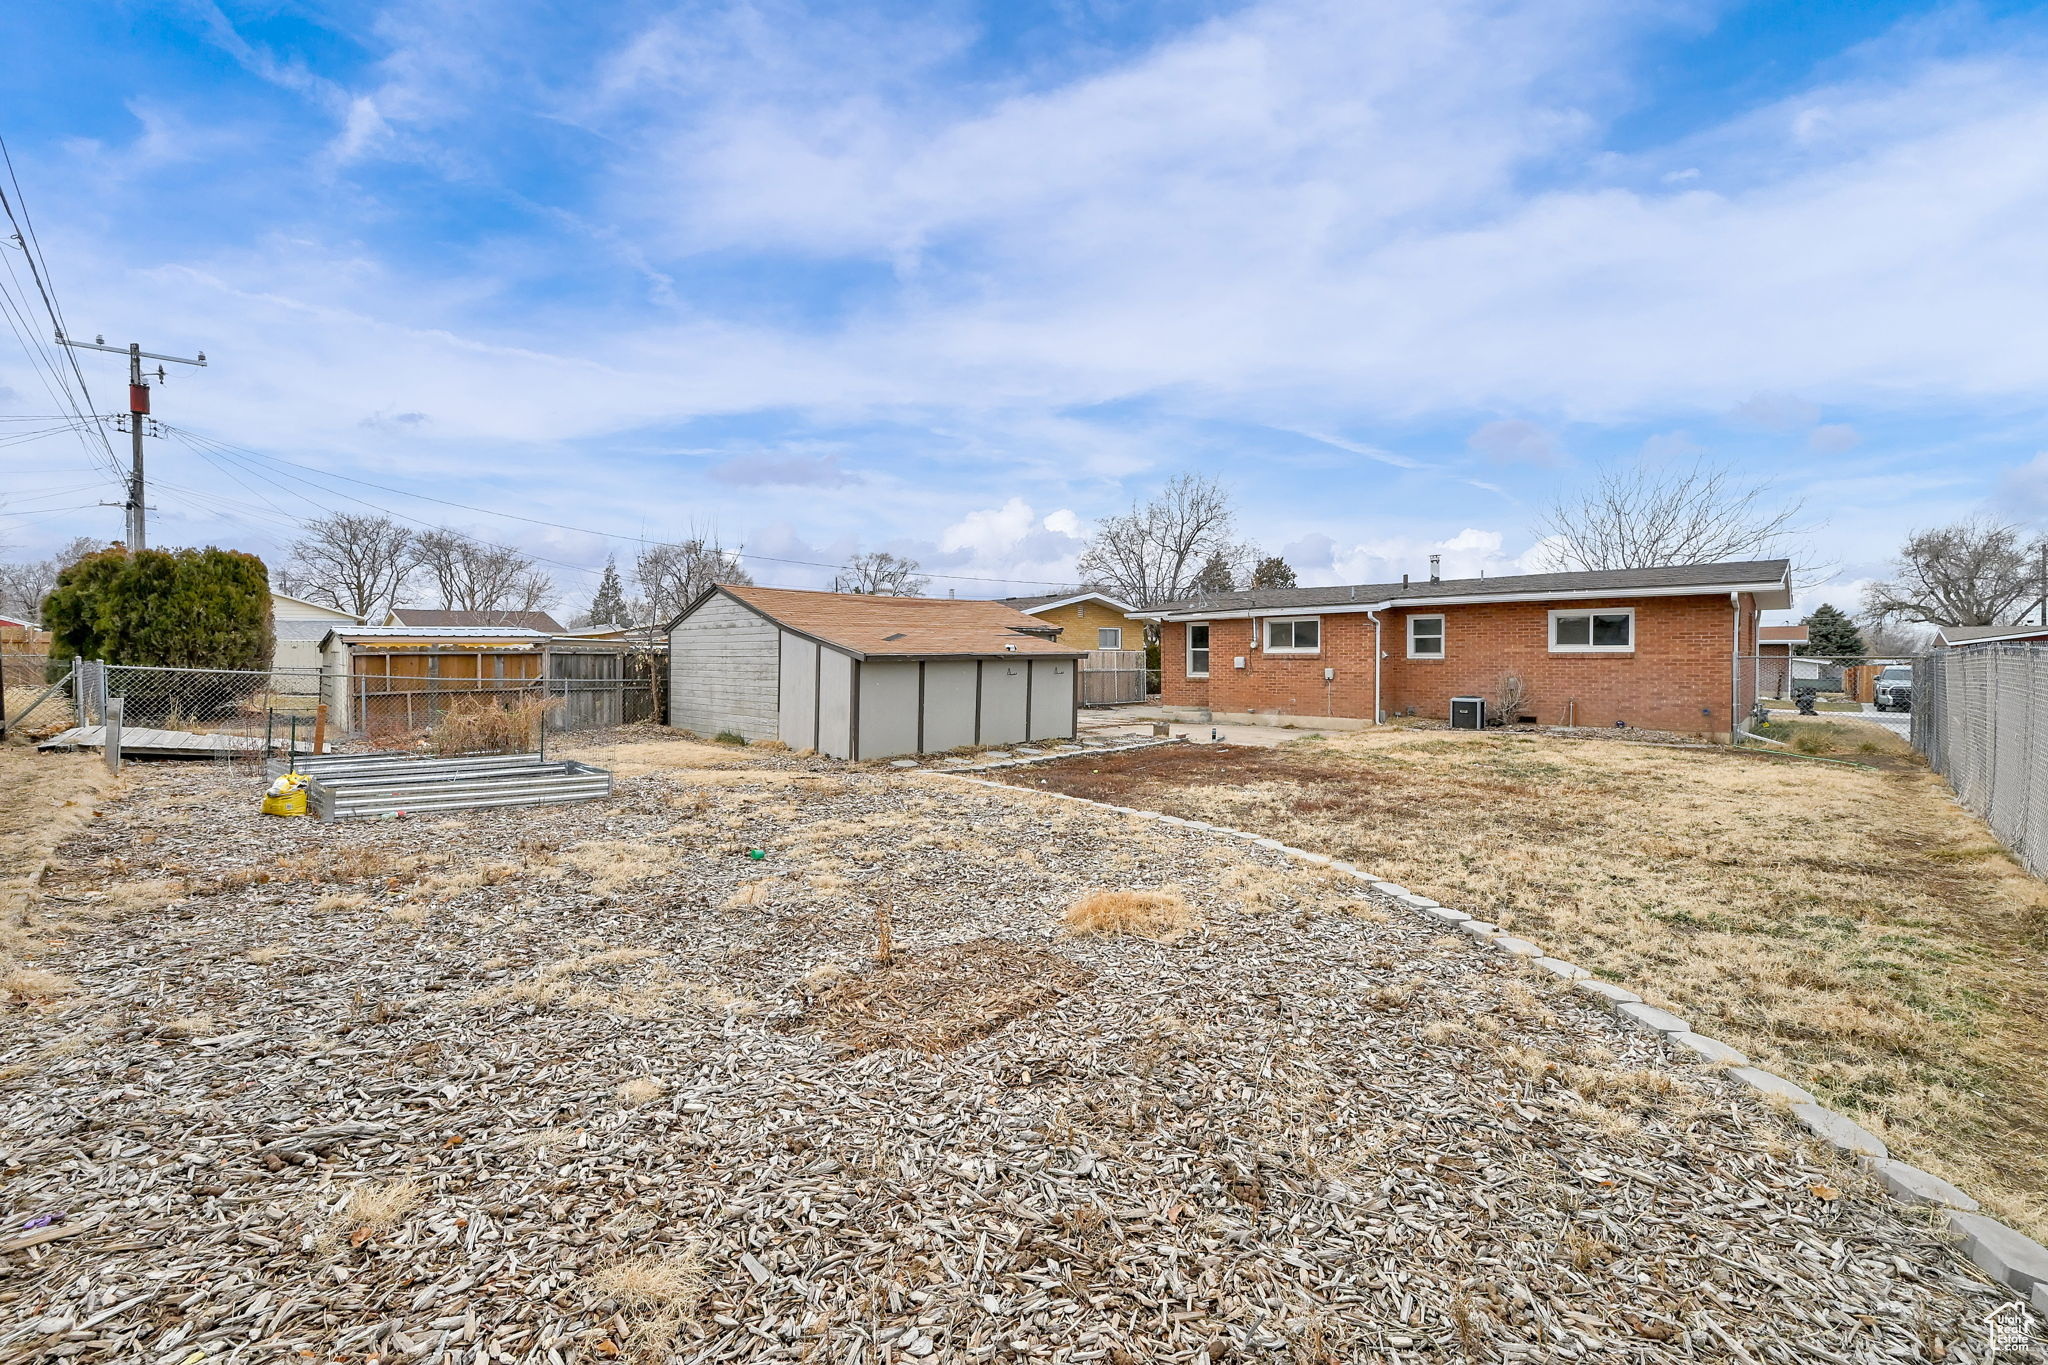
column 1669, row 648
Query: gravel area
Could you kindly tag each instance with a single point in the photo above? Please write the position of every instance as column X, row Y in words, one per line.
column 590, row 1083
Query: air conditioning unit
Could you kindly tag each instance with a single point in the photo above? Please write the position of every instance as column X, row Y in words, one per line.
column 1468, row 713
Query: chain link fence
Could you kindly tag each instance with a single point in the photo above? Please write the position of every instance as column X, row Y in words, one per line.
column 1980, row 717
column 261, row 711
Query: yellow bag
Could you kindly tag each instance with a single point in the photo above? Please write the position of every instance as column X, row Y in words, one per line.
column 291, row 803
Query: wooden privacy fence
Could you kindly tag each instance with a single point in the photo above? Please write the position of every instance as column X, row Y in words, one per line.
column 1110, row 677
column 391, row 691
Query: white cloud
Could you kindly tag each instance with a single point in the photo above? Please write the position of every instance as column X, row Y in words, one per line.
column 1063, row 522
column 1321, row 561
column 1775, row 412
column 2024, row 489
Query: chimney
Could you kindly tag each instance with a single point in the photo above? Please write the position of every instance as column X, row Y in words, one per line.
column 1434, row 562
column 952, row 592
column 1404, row 580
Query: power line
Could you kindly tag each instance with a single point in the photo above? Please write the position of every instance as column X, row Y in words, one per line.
column 39, row 270
column 561, row 526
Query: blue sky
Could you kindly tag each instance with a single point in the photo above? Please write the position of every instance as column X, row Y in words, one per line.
column 955, row 280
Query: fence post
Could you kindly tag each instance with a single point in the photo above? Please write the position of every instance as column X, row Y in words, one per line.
column 111, row 740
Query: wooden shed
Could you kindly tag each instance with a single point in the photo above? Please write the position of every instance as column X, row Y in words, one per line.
column 856, row 676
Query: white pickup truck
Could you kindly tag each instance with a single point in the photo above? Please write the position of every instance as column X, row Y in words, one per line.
column 1893, row 690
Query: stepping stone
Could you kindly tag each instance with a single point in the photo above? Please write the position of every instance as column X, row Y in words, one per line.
column 904, row 763
column 1563, row 971
column 1515, row 947
column 1479, row 928
column 1447, row 915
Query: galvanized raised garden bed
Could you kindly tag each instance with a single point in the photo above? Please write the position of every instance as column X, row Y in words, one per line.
column 359, row 786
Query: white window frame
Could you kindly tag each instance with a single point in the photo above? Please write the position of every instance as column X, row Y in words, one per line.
column 1208, row 647
column 1590, row 648
column 1442, row 635
column 1101, row 631
column 1266, row 625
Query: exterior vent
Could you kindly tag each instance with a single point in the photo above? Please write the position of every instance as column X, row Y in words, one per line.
column 897, row 636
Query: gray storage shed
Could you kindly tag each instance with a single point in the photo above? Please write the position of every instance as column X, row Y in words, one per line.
column 858, row 676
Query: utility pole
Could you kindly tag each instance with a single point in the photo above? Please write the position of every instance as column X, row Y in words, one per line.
column 138, row 411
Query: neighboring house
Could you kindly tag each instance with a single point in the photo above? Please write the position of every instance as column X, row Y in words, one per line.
column 300, row 626
column 1775, row 647
column 1088, row 619
column 858, row 676
column 1664, row 648
column 485, row 620
column 1954, row 637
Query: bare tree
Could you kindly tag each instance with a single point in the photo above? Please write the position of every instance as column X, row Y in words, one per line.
column 1973, row 573
column 672, row 576
column 473, row 576
column 25, row 583
column 883, row 574
column 355, row 562
column 1639, row 519
column 1155, row 552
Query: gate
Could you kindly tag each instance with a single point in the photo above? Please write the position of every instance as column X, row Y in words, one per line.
column 1112, row 677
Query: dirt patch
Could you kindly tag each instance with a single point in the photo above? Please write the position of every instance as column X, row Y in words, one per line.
column 1846, row 924
column 44, row 799
column 936, row 1000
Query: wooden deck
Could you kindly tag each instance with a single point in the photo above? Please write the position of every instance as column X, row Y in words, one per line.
column 137, row 742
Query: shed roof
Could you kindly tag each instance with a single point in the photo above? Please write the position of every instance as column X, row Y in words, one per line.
column 1781, row 635
column 491, row 620
column 1768, row 578
column 455, row 635
column 1984, row 635
column 880, row 627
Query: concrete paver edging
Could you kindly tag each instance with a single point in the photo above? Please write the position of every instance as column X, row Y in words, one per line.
column 2007, row 1256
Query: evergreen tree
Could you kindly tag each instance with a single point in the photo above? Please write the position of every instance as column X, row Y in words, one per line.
column 608, row 607
column 187, row 609
column 1274, row 572
column 1215, row 576
column 1831, row 634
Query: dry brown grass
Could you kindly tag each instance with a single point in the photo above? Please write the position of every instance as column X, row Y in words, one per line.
column 340, row 900
column 937, row 1000
column 640, row 1090
column 656, row 1297
column 1146, row 914
column 34, row 986
column 557, row 983
column 369, row 1209
column 479, row 725
column 266, row 955
column 1849, row 926
column 44, row 799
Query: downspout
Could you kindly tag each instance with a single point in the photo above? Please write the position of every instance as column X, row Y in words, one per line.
column 1377, row 719
column 1735, row 675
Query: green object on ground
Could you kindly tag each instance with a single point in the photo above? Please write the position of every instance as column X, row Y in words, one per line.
column 757, row 854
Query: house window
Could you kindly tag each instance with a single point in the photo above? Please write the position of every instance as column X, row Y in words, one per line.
column 1109, row 637
column 1425, row 637
column 1303, row 635
column 1593, row 632
column 1198, row 651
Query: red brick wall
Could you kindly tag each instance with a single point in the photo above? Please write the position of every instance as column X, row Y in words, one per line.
column 1680, row 666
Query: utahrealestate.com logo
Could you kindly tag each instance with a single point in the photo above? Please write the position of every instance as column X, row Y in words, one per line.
column 2009, row 1335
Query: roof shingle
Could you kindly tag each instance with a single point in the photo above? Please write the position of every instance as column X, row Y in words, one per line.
column 902, row 627
column 1592, row 583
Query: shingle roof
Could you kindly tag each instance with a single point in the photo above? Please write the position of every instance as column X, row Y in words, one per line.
column 520, row 634
column 1781, row 635
column 902, row 627
column 426, row 616
column 1594, row 583
column 1029, row 604
column 1965, row 635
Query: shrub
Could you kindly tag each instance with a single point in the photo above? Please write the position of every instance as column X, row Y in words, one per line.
column 730, row 737
column 194, row 609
